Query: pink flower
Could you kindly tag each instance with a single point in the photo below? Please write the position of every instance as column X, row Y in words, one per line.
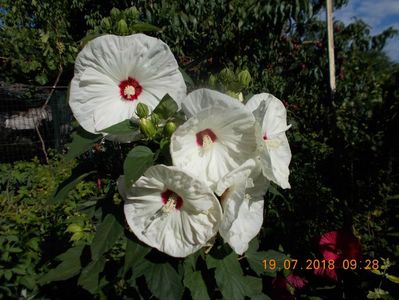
column 338, row 246
column 296, row 281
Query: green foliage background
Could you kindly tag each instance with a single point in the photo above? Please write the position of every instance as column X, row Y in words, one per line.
column 344, row 169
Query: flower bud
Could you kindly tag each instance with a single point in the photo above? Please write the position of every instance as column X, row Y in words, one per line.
column 212, row 81
column 122, row 27
column 106, row 23
column 244, row 77
column 155, row 119
column 142, row 110
column 169, row 128
column 74, row 228
column 147, row 128
column 237, row 95
column 227, row 75
column 132, row 11
column 115, row 12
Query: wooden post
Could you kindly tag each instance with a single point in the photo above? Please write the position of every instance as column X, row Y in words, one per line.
column 330, row 33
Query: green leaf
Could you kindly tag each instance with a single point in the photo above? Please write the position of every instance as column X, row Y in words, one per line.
column 186, row 77
column 137, row 161
column 41, row 79
column 230, row 279
column 392, row 278
column 164, row 282
column 65, row 187
column 88, row 279
column 28, row 281
column 394, row 197
column 122, row 128
column 144, row 27
column 166, row 108
column 194, row 282
column 81, row 142
column 134, row 254
column 69, row 267
column 255, row 259
column 108, row 232
column 193, row 279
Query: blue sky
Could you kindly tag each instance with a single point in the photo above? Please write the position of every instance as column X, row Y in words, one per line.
column 379, row 14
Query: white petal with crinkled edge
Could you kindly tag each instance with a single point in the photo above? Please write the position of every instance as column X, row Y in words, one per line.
column 109, row 59
column 275, row 154
column 179, row 232
column 235, row 143
column 270, row 112
column 201, row 99
column 242, row 202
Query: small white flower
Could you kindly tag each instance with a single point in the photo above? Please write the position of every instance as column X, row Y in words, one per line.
column 214, row 142
column 114, row 73
column 273, row 147
column 170, row 210
column 242, row 192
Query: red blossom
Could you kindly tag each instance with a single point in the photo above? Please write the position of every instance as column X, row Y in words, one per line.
column 296, row 281
column 338, row 246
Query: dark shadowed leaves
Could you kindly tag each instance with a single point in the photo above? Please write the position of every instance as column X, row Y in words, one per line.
column 231, row 280
column 108, row 232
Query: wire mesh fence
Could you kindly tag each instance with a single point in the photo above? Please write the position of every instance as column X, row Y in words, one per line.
column 32, row 120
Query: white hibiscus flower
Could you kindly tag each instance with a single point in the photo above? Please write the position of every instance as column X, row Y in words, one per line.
column 170, row 210
column 114, row 73
column 274, row 150
column 214, row 142
column 242, row 192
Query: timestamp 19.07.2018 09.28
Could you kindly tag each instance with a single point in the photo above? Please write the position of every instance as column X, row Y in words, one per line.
column 316, row 264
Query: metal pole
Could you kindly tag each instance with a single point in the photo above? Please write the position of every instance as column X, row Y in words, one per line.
column 330, row 33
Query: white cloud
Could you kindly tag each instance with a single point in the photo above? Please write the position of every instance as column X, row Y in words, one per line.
column 374, row 13
column 392, row 49
column 378, row 14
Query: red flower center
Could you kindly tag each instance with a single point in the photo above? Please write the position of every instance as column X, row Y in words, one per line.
column 172, row 199
column 205, row 137
column 130, row 89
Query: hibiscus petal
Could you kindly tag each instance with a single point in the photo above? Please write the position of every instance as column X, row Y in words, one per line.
column 202, row 99
column 273, row 119
column 111, row 113
column 92, row 90
column 275, row 158
column 242, row 203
